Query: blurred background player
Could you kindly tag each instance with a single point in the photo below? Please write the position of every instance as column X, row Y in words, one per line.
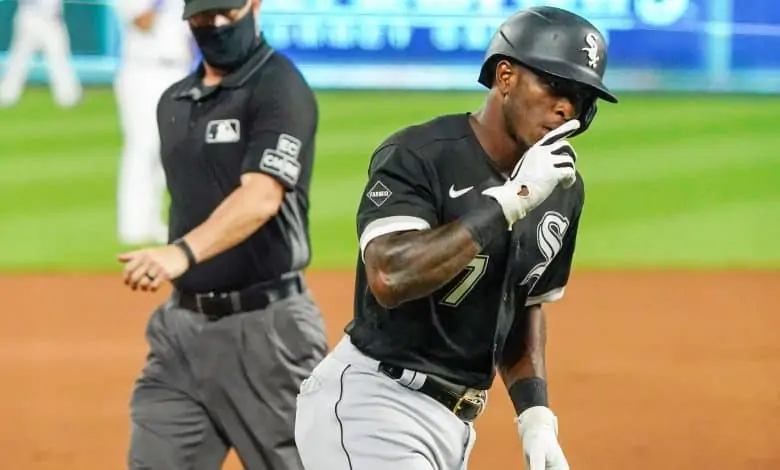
column 156, row 53
column 39, row 27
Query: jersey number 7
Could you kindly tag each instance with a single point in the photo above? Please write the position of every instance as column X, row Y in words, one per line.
column 474, row 272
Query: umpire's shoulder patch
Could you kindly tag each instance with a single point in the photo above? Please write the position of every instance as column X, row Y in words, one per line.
column 282, row 161
column 288, row 145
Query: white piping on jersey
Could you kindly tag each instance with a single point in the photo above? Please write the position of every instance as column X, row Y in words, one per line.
column 547, row 297
column 385, row 225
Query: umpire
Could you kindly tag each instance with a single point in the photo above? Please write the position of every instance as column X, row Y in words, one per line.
column 229, row 349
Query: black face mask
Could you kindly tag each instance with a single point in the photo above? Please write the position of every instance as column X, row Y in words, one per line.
column 227, row 47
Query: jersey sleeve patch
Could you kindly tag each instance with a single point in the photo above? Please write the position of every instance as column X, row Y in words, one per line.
column 379, row 194
column 282, row 161
column 398, row 223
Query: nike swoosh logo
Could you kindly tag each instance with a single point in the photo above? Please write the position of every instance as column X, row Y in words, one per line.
column 460, row 192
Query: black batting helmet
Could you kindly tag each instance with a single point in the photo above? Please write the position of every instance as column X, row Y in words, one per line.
column 555, row 42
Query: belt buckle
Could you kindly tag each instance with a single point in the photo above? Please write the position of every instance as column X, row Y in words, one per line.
column 477, row 400
column 199, row 296
column 234, row 298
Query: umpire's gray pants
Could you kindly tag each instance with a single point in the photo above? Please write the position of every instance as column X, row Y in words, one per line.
column 209, row 386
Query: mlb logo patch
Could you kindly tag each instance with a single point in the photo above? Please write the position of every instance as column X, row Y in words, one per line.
column 223, row 131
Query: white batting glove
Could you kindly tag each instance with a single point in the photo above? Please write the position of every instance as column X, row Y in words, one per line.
column 538, row 429
column 544, row 166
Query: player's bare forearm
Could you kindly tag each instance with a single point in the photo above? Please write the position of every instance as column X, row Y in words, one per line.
column 410, row 265
column 523, row 360
column 241, row 214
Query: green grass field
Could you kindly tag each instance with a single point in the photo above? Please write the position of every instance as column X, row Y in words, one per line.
column 672, row 181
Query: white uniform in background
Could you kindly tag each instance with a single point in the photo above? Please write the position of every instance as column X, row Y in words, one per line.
column 39, row 26
column 151, row 60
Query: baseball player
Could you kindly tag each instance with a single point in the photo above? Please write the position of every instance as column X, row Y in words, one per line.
column 467, row 227
column 156, row 53
column 39, row 26
column 230, row 348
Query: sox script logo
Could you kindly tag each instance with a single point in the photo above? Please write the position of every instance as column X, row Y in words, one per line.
column 549, row 237
column 592, row 50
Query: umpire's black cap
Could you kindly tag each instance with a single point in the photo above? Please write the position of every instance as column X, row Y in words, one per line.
column 193, row 7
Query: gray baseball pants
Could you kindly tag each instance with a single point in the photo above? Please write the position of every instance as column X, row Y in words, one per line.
column 353, row 417
column 208, row 386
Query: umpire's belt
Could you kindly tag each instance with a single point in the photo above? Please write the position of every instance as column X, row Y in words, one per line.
column 466, row 403
column 255, row 297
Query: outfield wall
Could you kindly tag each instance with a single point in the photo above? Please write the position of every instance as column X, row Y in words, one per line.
column 679, row 45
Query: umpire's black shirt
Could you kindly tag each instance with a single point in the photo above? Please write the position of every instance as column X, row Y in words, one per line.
column 262, row 117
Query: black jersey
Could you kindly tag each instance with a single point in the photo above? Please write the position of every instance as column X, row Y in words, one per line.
column 429, row 175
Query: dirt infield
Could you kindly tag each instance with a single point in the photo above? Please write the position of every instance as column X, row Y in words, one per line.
column 647, row 371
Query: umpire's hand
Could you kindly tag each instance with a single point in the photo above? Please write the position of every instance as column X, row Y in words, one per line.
column 149, row 268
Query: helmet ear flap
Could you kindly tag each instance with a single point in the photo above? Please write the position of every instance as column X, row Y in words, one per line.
column 485, row 78
column 586, row 117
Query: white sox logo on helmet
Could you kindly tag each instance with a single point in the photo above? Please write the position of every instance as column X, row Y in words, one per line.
column 592, row 50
